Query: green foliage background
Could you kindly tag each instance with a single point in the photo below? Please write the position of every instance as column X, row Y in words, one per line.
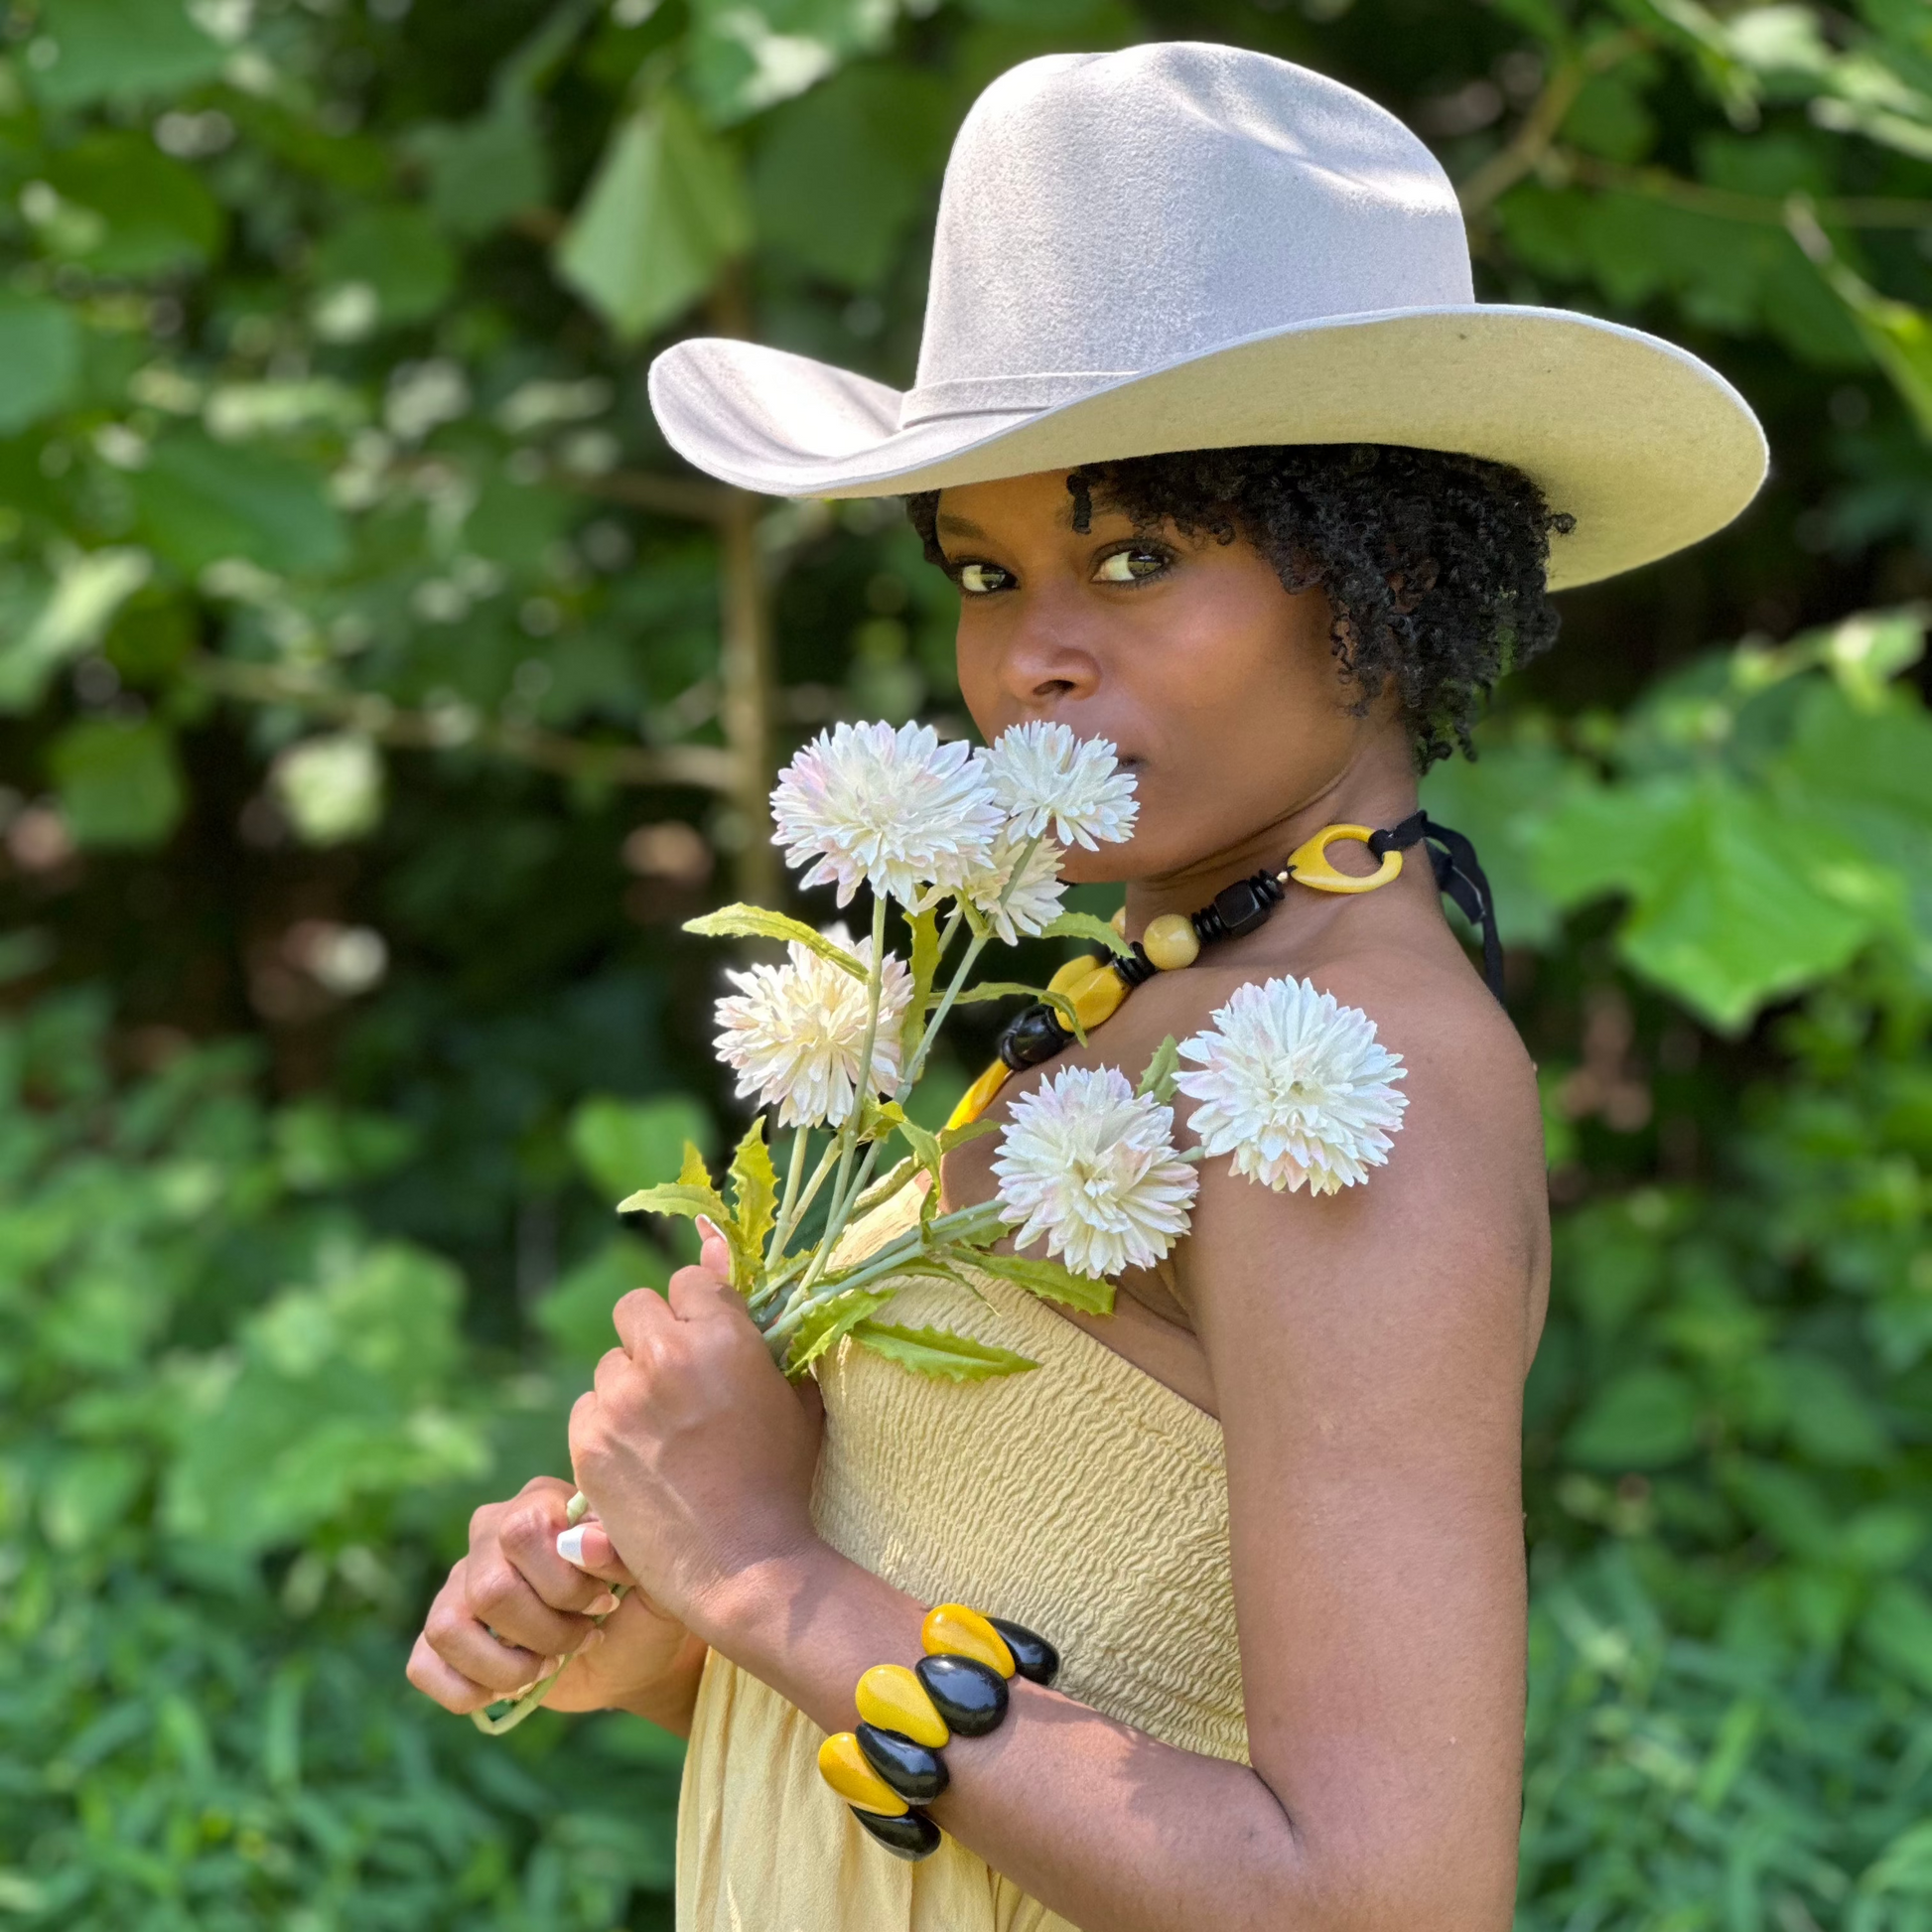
column 377, row 695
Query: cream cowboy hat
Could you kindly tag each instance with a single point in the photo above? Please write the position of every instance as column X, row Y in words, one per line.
column 1187, row 246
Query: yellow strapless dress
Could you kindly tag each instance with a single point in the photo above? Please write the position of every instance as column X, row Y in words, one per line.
column 1082, row 1499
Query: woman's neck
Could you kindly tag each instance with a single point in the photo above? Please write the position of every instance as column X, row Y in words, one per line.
column 1374, row 791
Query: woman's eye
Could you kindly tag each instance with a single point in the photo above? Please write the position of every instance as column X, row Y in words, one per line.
column 976, row 580
column 1130, row 566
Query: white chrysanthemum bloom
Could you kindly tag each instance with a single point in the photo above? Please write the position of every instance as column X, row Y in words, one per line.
column 795, row 1032
column 1042, row 776
column 1295, row 1087
column 1031, row 902
column 1090, row 1166
column 894, row 807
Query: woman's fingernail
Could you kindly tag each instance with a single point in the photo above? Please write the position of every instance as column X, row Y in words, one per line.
column 709, row 1228
column 570, row 1544
column 601, row 1606
column 590, row 1642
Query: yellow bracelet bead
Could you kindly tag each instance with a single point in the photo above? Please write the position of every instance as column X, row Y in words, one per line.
column 1170, row 941
column 891, row 1696
column 952, row 1630
column 980, row 1095
column 842, row 1764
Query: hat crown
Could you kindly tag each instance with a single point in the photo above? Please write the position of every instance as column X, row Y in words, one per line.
column 1109, row 213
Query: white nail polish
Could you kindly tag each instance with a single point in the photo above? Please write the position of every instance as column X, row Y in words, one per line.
column 570, row 1545
column 601, row 1606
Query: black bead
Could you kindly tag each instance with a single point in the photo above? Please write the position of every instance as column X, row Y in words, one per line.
column 1242, row 909
column 1033, row 1657
column 1036, row 1035
column 1138, row 969
column 910, row 1835
column 970, row 1696
column 918, row 1774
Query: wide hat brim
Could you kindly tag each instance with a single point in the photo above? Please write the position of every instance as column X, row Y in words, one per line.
column 1646, row 447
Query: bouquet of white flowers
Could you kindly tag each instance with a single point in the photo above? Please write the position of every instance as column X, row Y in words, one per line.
column 968, row 846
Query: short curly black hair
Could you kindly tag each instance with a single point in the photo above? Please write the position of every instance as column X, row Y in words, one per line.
column 1435, row 563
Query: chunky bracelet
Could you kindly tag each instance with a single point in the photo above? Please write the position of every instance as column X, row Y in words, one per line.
column 891, row 1765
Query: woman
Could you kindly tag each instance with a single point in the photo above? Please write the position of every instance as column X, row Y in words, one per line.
column 1269, row 1509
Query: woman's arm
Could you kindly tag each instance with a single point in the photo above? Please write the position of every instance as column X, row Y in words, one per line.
column 1368, row 1353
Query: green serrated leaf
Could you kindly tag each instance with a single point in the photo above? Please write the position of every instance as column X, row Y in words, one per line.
column 824, row 1326
column 754, row 1196
column 939, row 1352
column 756, row 922
column 1049, row 1280
column 677, row 1198
column 1161, row 1069
column 924, row 927
column 693, row 1173
column 967, row 1130
column 1013, row 990
column 1083, row 925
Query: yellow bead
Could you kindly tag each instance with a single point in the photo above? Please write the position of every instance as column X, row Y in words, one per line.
column 1076, row 972
column 1098, row 997
column 893, row 1698
column 952, row 1630
column 980, row 1095
column 1118, row 921
column 842, row 1764
column 1170, row 941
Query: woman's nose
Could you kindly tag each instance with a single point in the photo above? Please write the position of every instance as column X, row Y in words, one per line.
column 1046, row 662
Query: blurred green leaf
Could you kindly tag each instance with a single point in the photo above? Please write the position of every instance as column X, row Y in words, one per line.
column 151, row 214
column 119, row 784
column 123, row 51
column 199, row 501
column 663, row 215
column 396, row 254
column 484, row 171
column 867, row 143
column 624, row 1144
column 39, row 360
column 576, row 1313
column 1734, row 902
column 67, row 617
column 1646, row 1418
column 746, row 55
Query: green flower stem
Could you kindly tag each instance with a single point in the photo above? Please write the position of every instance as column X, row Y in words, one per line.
column 788, row 1226
column 963, row 1225
column 794, row 1173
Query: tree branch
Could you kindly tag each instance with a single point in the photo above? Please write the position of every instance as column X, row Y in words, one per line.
column 705, row 766
column 1540, row 126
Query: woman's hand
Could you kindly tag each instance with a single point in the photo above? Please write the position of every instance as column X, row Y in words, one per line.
column 513, row 1606
column 694, row 1451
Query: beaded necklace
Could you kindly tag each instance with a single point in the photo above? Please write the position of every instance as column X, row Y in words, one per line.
column 1095, row 988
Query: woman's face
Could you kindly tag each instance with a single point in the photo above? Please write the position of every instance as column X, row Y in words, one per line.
column 1220, row 690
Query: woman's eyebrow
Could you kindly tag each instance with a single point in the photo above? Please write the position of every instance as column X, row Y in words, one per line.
column 958, row 526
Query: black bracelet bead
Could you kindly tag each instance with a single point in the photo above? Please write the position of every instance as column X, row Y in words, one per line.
column 1135, row 970
column 970, row 1696
column 916, row 1773
column 1033, row 1656
column 1035, row 1035
column 910, row 1835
